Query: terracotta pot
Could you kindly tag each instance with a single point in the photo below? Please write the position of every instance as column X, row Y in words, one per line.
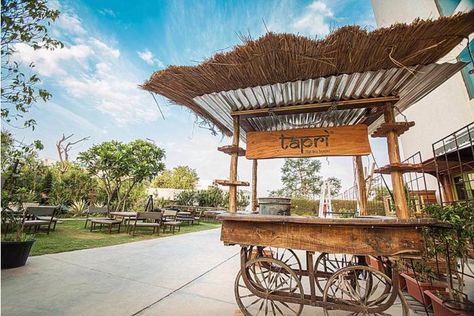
column 417, row 289
column 438, row 308
column 374, row 263
column 402, row 283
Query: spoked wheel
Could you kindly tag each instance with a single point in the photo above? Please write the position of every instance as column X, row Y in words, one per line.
column 327, row 264
column 360, row 289
column 287, row 256
column 275, row 289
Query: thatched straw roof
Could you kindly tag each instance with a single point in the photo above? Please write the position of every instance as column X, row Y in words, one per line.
column 278, row 58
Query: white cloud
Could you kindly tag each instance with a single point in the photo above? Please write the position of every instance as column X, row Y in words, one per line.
column 150, row 59
column 52, row 62
column 315, row 20
column 70, row 23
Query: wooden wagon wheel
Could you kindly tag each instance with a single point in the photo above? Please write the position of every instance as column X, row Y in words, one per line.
column 360, row 289
column 272, row 288
column 327, row 264
column 287, row 256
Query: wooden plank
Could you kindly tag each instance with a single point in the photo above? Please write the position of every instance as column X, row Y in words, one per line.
column 318, row 107
column 231, row 183
column 230, row 149
column 233, row 166
column 400, row 167
column 399, row 127
column 369, row 221
column 399, row 195
column 309, row 142
column 376, row 241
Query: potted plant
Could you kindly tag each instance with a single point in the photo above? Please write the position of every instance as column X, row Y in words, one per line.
column 420, row 281
column 455, row 243
column 16, row 245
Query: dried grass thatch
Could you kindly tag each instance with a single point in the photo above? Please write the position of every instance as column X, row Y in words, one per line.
column 282, row 58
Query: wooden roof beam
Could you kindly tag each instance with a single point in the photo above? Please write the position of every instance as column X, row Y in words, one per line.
column 318, row 107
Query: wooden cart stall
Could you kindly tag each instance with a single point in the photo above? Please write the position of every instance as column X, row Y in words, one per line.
column 290, row 96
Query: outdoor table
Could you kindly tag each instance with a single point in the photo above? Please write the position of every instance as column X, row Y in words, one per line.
column 125, row 216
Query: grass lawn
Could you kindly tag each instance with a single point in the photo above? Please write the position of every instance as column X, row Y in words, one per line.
column 71, row 235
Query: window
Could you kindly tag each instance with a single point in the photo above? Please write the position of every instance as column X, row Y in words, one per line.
column 447, row 7
column 464, row 186
column 468, row 77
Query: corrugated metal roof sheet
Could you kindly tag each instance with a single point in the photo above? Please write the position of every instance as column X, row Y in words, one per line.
column 410, row 84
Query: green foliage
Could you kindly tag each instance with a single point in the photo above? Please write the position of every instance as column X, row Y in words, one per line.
column 300, row 177
column 24, row 183
column 23, row 22
column 212, row 197
column 303, row 206
column 186, row 197
column 181, row 177
column 72, row 185
column 122, row 166
column 77, row 208
column 335, row 185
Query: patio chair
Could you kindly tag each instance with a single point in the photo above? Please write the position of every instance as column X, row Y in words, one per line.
column 169, row 220
column 46, row 218
column 37, row 216
column 147, row 219
column 94, row 210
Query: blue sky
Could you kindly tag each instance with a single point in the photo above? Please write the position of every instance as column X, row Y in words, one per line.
column 113, row 46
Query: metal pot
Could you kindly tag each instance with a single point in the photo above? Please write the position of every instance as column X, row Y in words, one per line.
column 274, row 206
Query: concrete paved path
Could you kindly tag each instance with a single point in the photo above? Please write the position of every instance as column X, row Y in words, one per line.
column 190, row 274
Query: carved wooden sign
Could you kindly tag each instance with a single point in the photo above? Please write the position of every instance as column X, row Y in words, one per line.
column 309, row 142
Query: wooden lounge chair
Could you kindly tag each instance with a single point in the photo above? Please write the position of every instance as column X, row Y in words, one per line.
column 38, row 216
column 94, row 210
column 169, row 220
column 147, row 219
column 46, row 218
column 109, row 222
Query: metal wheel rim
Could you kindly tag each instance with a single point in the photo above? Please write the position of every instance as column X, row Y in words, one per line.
column 335, row 267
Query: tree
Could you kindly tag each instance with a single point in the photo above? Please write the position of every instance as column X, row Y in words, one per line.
column 22, row 171
column 24, row 22
column 181, row 177
column 300, row 177
column 121, row 167
column 64, row 148
column 335, row 185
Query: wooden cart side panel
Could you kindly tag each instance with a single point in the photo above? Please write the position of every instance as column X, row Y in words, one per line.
column 376, row 241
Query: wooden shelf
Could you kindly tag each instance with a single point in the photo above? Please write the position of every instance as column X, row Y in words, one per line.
column 400, row 167
column 398, row 127
column 230, row 149
column 230, row 183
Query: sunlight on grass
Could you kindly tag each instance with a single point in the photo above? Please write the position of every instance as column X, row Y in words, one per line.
column 71, row 235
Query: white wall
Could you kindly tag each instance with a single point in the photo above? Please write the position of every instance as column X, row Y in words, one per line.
column 445, row 109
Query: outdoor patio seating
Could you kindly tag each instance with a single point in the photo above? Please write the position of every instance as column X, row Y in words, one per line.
column 46, row 218
column 170, row 220
column 94, row 210
column 38, row 216
column 105, row 222
column 147, row 219
column 185, row 217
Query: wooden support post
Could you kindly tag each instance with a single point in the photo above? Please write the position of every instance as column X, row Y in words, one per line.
column 399, row 194
column 362, row 191
column 233, row 167
column 448, row 195
column 254, row 184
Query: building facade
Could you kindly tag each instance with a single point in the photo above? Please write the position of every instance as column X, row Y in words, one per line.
column 448, row 110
